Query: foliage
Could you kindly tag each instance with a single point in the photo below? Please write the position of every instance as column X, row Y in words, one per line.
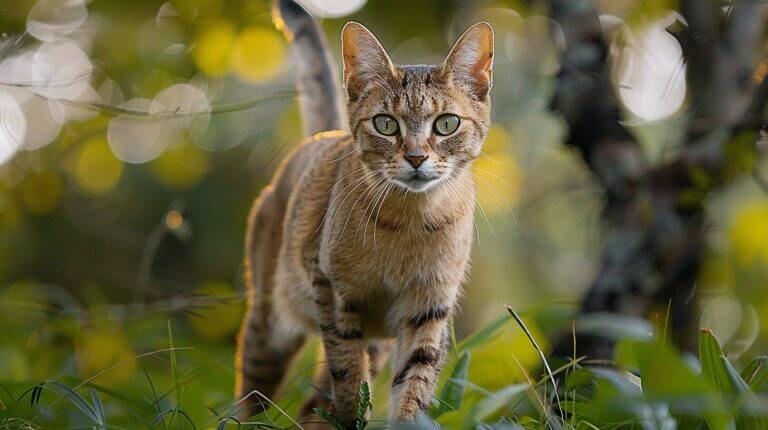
column 654, row 387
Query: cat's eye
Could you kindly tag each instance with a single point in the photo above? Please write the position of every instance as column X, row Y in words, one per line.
column 446, row 124
column 385, row 125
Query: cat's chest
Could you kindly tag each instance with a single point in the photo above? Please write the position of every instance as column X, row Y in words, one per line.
column 379, row 256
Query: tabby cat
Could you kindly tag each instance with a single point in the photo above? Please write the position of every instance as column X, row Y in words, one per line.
column 364, row 236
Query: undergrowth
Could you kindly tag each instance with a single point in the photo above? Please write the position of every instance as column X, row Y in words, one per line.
column 490, row 382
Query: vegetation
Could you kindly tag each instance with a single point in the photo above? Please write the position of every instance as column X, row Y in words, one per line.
column 490, row 382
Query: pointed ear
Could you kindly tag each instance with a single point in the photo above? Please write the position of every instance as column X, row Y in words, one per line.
column 470, row 62
column 364, row 58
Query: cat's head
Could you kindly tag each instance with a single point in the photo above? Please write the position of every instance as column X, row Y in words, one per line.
column 417, row 126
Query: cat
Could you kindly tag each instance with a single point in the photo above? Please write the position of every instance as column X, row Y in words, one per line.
column 364, row 236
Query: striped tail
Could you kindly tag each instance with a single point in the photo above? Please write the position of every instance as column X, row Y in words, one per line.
column 317, row 78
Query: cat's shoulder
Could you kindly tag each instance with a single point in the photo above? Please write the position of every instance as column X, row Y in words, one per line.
column 311, row 155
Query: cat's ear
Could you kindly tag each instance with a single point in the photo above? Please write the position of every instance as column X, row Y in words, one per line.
column 365, row 60
column 470, row 62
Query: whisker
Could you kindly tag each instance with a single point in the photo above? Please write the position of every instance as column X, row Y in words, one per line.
column 358, row 182
column 503, row 199
column 352, row 209
column 352, row 151
column 379, row 197
column 376, row 220
column 373, row 192
column 485, row 215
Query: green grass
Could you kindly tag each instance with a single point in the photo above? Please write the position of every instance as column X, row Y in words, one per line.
column 491, row 381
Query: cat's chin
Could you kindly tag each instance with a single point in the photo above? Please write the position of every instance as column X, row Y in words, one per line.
column 417, row 185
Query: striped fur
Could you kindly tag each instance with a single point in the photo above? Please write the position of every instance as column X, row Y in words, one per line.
column 340, row 247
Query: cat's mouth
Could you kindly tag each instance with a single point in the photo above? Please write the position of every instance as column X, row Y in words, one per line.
column 418, row 182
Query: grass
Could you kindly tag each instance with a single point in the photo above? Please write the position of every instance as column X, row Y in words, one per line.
column 487, row 384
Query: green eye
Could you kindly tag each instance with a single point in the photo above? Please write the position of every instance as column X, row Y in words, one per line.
column 385, row 125
column 446, row 124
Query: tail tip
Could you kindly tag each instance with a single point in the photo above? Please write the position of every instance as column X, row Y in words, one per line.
column 288, row 16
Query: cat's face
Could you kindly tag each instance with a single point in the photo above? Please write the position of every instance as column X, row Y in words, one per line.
column 417, row 126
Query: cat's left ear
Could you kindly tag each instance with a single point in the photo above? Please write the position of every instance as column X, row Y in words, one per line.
column 470, row 62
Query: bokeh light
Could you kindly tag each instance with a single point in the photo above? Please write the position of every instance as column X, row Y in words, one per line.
column 649, row 69
column 258, row 54
column 137, row 139
column 50, row 19
column 221, row 318
column 213, row 47
column 13, row 127
column 180, row 167
column 332, row 8
column 102, row 347
column 749, row 233
column 96, row 171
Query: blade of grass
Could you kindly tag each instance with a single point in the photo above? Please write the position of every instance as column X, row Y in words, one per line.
column 541, row 355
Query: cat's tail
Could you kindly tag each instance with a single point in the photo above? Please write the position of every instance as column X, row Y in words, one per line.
column 317, row 78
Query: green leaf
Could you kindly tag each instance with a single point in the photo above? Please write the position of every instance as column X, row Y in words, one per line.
column 453, row 392
column 364, row 405
column 98, row 407
column 327, row 417
column 579, row 378
column 717, row 369
column 756, row 374
column 75, row 398
column 614, row 326
column 484, row 334
column 492, row 404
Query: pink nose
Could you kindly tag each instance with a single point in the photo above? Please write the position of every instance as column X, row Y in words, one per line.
column 415, row 160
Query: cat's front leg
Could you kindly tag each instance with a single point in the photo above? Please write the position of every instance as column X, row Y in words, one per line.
column 422, row 339
column 345, row 348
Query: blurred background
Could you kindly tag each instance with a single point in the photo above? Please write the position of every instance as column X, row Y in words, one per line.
column 135, row 135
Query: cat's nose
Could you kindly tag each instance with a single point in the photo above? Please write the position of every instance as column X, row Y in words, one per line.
column 415, row 158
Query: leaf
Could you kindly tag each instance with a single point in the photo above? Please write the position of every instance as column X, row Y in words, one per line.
column 36, row 393
column 491, row 405
column 98, row 407
column 755, row 374
column 364, row 405
column 330, row 419
column 484, row 334
column 75, row 398
column 717, row 369
column 453, row 392
column 579, row 378
column 614, row 326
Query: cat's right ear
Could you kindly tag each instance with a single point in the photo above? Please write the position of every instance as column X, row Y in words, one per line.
column 365, row 60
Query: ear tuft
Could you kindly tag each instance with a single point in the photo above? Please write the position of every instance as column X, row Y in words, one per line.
column 364, row 58
column 470, row 62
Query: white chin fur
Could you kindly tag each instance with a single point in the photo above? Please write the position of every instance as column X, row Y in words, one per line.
column 417, row 186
